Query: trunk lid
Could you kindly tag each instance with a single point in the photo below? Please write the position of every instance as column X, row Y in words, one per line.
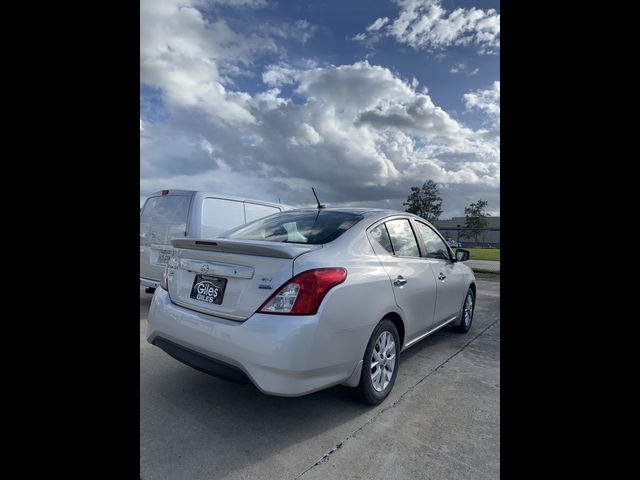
column 244, row 272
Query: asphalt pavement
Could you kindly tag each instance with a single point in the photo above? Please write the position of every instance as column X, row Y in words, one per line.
column 486, row 265
column 441, row 421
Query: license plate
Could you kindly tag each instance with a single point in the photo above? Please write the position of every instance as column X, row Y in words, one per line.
column 164, row 257
column 208, row 289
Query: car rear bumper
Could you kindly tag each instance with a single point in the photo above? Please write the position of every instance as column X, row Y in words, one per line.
column 280, row 354
column 147, row 282
column 201, row 362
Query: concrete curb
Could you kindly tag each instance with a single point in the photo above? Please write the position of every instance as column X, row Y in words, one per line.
column 479, row 270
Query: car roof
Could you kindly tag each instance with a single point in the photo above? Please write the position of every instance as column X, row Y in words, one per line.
column 367, row 212
column 355, row 210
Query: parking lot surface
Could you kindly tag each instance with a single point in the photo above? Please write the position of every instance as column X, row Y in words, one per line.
column 487, row 265
column 441, row 421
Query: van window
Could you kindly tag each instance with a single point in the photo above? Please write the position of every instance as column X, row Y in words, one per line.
column 221, row 214
column 253, row 211
column 166, row 210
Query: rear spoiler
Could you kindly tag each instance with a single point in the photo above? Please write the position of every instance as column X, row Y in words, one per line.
column 246, row 247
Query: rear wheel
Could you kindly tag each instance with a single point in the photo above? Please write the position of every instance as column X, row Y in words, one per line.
column 380, row 363
column 466, row 317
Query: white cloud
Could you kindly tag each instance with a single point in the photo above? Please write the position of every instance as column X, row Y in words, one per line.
column 358, row 133
column 300, row 30
column 462, row 68
column 457, row 68
column 425, row 24
column 361, row 135
column 185, row 55
column 308, row 136
column 487, row 100
column 378, row 24
column 278, row 75
column 269, row 99
column 303, row 30
column 240, row 3
column 353, row 87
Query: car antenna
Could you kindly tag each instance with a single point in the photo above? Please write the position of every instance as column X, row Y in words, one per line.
column 314, row 194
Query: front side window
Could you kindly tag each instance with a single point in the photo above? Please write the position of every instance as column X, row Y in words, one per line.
column 434, row 246
column 402, row 238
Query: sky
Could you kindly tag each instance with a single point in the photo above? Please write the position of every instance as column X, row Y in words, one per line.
column 360, row 99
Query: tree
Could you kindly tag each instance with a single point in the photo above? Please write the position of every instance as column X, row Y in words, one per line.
column 425, row 201
column 475, row 219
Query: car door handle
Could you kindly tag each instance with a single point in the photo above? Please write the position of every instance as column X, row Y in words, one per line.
column 398, row 282
column 441, row 276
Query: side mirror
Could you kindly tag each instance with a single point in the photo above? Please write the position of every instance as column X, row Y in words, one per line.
column 462, row 255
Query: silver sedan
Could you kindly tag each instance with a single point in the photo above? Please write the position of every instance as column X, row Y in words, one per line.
column 306, row 299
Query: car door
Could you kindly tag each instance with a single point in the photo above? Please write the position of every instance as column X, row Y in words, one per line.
column 411, row 275
column 450, row 275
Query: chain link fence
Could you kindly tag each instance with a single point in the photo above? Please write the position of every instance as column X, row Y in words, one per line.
column 472, row 238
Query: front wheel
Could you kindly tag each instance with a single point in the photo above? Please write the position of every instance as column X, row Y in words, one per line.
column 380, row 363
column 466, row 317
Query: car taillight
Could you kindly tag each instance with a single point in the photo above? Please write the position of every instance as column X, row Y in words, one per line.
column 164, row 283
column 303, row 294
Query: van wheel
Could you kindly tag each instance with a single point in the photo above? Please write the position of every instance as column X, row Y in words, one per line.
column 466, row 316
column 380, row 363
column 149, row 290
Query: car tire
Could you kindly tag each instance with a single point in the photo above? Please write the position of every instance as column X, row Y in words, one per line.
column 149, row 290
column 466, row 315
column 373, row 391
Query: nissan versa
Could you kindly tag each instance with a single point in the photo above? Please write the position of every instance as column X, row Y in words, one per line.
column 306, row 299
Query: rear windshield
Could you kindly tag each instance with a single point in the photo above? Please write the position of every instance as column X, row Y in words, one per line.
column 310, row 227
column 168, row 210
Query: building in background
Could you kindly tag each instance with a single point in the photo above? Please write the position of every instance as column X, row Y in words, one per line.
column 452, row 230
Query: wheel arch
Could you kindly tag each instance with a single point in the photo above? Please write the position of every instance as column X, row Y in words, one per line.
column 396, row 319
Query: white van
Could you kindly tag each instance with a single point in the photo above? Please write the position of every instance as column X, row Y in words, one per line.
column 171, row 214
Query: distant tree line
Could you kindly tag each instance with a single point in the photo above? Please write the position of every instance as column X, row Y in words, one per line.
column 426, row 202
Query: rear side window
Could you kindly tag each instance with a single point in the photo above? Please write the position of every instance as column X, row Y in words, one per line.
column 253, row 211
column 297, row 226
column 402, row 238
column 222, row 214
column 380, row 235
column 434, row 246
column 166, row 210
